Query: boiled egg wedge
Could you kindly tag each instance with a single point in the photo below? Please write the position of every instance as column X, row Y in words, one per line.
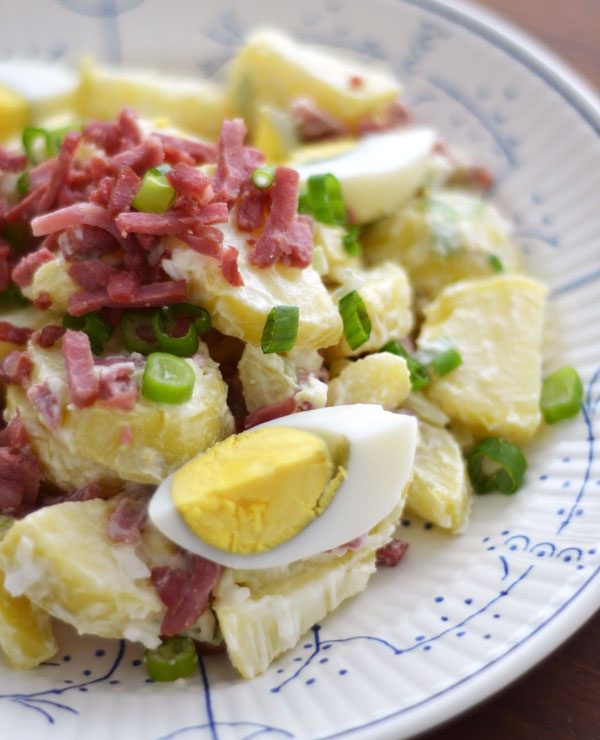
column 290, row 488
column 378, row 174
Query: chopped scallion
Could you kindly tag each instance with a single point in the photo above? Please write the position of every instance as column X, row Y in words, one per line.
column 356, row 320
column 419, row 377
column 167, row 379
column 165, row 325
column 263, row 177
column 138, row 333
column 562, row 394
column 351, row 243
column 323, row 200
column 36, row 143
column 446, row 361
column 175, row 658
column 155, row 194
column 92, row 324
column 22, row 184
column 495, row 263
column 12, row 297
column 281, row 329
column 496, row 465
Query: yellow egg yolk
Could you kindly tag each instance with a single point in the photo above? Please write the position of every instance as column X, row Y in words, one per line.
column 255, row 490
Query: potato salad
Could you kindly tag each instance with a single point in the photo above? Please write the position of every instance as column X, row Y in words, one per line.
column 182, row 261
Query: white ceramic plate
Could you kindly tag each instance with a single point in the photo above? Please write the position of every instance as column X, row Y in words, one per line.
column 462, row 616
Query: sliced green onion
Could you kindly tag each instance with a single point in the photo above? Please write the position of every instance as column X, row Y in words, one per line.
column 36, row 143
column 351, row 243
column 495, row 263
column 562, row 394
column 263, row 177
column 155, row 194
column 163, row 325
column 357, row 324
column 446, row 361
column 175, row 658
column 198, row 315
column 419, row 377
column 56, row 137
column 138, row 333
column 92, row 324
column 22, row 184
column 496, row 465
column 12, row 297
column 281, row 329
column 324, row 199
column 167, row 379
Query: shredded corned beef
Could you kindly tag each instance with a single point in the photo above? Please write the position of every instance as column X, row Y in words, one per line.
column 14, row 334
column 23, row 273
column 48, row 336
column 233, row 166
column 149, row 223
column 127, row 521
column 122, row 287
column 187, row 150
column 118, row 387
column 4, row 264
column 252, row 207
column 286, row 236
column 314, row 124
column 395, row 115
column 230, row 267
column 85, row 493
column 185, row 591
column 187, row 180
column 82, row 379
column 15, row 367
column 43, row 300
column 272, row 411
column 141, row 158
column 147, row 296
column 44, row 400
column 11, row 161
column 20, row 472
column 208, row 241
column 59, row 174
column 391, row 554
column 126, row 186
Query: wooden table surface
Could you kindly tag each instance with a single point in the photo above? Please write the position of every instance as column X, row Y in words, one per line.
column 560, row 698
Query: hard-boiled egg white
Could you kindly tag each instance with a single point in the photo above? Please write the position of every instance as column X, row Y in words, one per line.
column 380, row 173
column 381, row 448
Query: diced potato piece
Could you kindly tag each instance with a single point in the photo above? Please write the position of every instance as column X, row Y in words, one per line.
column 496, row 324
column 52, row 278
column 196, row 105
column 61, row 559
column 105, row 444
column 28, row 316
column 331, row 240
column 242, row 312
column 380, row 173
column 14, row 113
column 387, row 296
column 380, row 378
column 43, row 90
column 26, row 636
column 265, row 379
column 273, row 68
column 271, row 378
column 440, row 490
column 425, row 409
column 443, row 238
column 263, row 613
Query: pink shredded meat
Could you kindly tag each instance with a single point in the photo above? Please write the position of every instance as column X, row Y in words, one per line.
column 48, row 336
column 118, row 387
column 11, row 161
column 127, row 521
column 391, row 554
column 82, row 379
column 14, row 334
column 230, row 267
column 185, row 591
column 15, row 367
column 187, row 150
column 44, row 400
column 232, row 169
column 60, row 171
column 286, row 237
column 23, row 273
column 187, row 180
column 252, row 207
column 313, row 123
column 124, row 190
column 273, row 411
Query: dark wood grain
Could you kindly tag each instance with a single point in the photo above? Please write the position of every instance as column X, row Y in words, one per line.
column 560, row 698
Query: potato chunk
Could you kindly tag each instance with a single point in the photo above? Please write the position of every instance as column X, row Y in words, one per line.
column 443, row 238
column 272, row 68
column 440, row 490
column 387, row 296
column 381, row 378
column 61, row 559
column 496, row 325
column 29, row 317
column 105, row 444
column 242, row 312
